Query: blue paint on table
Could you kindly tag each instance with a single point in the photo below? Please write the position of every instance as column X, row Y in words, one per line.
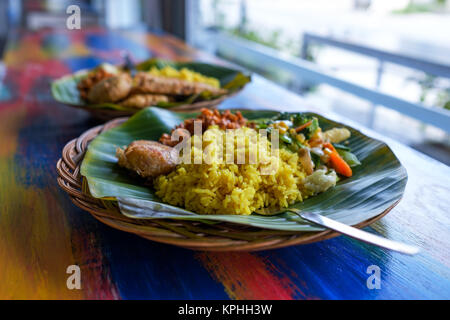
column 156, row 270
column 87, row 62
column 110, row 41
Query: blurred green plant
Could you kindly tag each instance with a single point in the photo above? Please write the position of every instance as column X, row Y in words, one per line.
column 429, row 84
column 413, row 7
column 219, row 16
column 443, row 99
column 271, row 38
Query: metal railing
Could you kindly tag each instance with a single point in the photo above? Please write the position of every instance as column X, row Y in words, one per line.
column 426, row 66
column 382, row 56
column 305, row 70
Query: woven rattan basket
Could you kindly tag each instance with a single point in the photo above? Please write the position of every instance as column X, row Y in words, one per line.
column 193, row 235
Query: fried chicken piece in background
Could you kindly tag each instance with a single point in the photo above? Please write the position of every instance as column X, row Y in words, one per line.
column 142, row 100
column 111, row 89
column 94, row 77
column 148, row 83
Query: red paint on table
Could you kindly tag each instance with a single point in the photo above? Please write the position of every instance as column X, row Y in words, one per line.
column 249, row 276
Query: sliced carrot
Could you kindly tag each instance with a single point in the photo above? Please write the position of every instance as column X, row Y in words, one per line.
column 337, row 162
column 340, row 165
column 329, row 146
column 303, row 126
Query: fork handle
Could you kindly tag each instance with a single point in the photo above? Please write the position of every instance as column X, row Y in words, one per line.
column 356, row 233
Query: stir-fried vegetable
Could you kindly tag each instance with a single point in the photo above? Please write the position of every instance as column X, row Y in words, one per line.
column 286, row 138
column 336, row 135
column 305, row 125
column 305, row 159
column 349, row 157
column 339, row 146
column 316, row 149
column 337, row 162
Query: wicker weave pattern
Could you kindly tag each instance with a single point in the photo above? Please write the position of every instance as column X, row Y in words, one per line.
column 189, row 234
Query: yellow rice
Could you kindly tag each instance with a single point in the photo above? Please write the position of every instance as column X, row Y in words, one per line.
column 184, row 74
column 231, row 188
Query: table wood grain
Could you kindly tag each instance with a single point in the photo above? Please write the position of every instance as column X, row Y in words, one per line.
column 42, row 232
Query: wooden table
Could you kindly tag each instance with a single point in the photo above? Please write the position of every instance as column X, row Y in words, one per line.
column 42, row 232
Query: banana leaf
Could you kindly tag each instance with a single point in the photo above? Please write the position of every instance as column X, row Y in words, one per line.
column 376, row 184
column 65, row 90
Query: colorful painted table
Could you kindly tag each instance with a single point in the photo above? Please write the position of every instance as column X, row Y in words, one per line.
column 42, row 232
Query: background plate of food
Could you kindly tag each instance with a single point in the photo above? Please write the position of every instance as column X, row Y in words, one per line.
column 124, row 173
column 109, row 91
